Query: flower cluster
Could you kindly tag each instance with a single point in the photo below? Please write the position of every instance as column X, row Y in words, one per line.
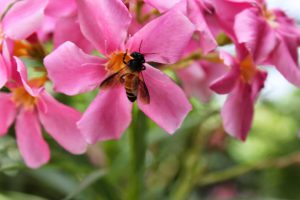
column 122, row 47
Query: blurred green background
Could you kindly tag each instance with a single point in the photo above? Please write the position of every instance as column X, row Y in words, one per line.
column 198, row 162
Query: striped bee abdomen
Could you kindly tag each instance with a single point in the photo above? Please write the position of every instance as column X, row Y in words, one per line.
column 131, row 83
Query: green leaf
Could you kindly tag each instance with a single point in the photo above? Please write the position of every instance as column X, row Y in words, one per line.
column 89, row 180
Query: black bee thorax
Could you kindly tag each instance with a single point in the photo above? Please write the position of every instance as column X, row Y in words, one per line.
column 136, row 64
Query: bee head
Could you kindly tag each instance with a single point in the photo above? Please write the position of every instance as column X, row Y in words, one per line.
column 138, row 57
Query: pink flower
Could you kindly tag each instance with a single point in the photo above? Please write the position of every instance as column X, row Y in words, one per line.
column 105, row 25
column 222, row 13
column 162, row 6
column 196, row 11
column 29, row 105
column 22, row 19
column 17, row 23
column 61, row 18
column 243, row 83
column 272, row 38
column 197, row 77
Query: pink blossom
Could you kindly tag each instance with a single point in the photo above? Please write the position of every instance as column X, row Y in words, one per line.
column 61, row 24
column 105, row 25
column 29, row 105
column 196, row 11
column 243, row 83
column 22, row 19
column 222, row 13
column 197, row 77
column 17, row 23
column 269, row 35
column 272, row 38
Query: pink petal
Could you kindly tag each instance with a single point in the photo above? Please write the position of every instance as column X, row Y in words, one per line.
column 226, row 11
column 225, row 84
column 46, row 29
column 237, row 112
column 162, row 6
column 60, row 8
column 23, row 77
column 194, row 82
column 107, row 117
column 8, row 112
column 258, row 83
column 104, row 23
column 7, row 51
column 33, row 147
column 14, row 79
column 59, row 121
column 3, row 72
column 196, row 79
column 4, row 4
column 163, row 39
column 258, row 36
column 24, row 18
column 285, row 59
column 70, row 25
column 168, row 104
column 286, row 24
column 72, row 71
column 196, row 13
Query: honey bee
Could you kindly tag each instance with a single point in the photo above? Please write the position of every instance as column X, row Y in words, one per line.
column 131, row 77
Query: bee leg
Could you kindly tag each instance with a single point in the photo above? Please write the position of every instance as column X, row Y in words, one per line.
column 122, row 78
column 125, row 54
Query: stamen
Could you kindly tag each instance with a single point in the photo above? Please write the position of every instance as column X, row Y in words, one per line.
column 25, row 48
column 248, row 69
column 22, row 98
column 116, row 63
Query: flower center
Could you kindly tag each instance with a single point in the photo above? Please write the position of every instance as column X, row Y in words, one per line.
column 25, row 48
column 22, row 98
column 116, row 61
column 248, row 69
column 270, row 17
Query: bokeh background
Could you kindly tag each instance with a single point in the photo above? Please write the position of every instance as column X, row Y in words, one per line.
column 199, row 162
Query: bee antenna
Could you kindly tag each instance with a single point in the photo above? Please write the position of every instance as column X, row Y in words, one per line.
column 150, row 53
column 140, row 46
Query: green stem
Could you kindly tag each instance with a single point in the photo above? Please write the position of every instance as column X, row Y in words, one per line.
column 234, row 172
column 138, row 147
column 191, row 167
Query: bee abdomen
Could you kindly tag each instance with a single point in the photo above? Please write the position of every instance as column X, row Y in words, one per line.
column 131, row 86
column 132, row 97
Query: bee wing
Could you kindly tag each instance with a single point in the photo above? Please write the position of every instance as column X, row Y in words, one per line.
column 143, row 92
column 110, row 81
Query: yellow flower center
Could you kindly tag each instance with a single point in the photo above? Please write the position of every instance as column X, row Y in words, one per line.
column 270, row 17
column 247, row 69
column 25, row 48
column 116, row 61
column 22, row 98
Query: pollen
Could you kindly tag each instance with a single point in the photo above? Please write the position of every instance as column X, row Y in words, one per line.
column 116, row 61
column 32, row 50
column 22, row 98
column 247, row 69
